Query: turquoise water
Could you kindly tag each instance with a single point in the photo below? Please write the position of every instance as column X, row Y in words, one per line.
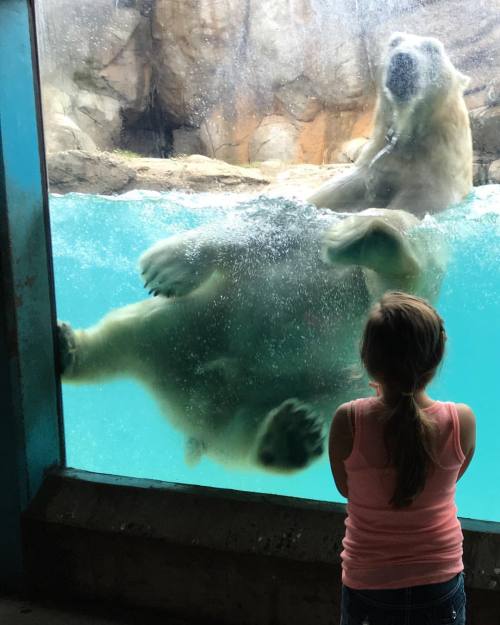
column 117, row 428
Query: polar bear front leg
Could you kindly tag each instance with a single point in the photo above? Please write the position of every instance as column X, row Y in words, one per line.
column 346, row 192
column 108, row 349
column 88, row 355
column 291, row 437
column 178, row 265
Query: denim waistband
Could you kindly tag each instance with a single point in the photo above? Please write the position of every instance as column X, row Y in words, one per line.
column 424, row 596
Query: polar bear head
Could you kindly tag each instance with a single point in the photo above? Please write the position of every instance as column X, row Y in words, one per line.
column 417, row 68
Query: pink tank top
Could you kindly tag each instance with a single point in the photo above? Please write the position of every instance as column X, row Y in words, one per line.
column 420, row 544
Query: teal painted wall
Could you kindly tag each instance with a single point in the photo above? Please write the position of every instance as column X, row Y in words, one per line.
column 30, row 431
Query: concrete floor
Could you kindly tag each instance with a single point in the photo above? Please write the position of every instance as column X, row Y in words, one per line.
column 16, row 611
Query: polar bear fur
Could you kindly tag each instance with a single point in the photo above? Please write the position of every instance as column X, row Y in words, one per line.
column 419, row 158
column 251, row 340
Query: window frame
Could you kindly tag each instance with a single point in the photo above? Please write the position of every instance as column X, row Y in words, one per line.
column 31, row 426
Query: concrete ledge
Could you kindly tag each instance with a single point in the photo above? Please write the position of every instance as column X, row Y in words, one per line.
column 208, row 555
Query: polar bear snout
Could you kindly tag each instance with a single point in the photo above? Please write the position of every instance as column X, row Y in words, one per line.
column 402, row 76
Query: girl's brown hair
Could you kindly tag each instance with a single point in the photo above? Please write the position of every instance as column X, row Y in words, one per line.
column 402, row 346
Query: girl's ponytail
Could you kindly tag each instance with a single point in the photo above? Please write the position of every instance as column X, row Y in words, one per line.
column 408, row 439
column 402, row 345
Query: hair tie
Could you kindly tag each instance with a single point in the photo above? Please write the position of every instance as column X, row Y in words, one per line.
column 407, row 394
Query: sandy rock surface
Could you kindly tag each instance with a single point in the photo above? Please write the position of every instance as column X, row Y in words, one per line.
column 112, row 173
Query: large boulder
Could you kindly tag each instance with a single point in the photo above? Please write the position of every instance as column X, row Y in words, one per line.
column 196, row 47
column 79, row 171
column 61, row 130
column 275, row 135
column 96, row 54
column 315, row 44
column 99, row 116
column 226, row 132
column 195, row 173
column 299, row 99
column 63, row 134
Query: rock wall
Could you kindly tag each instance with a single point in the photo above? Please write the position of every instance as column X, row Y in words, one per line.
column 95, row 60
column 246, row 80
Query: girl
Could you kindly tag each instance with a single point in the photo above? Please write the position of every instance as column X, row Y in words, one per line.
column 397, row 457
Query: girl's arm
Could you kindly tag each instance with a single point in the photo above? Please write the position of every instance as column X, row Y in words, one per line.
column 340, row 445
column 467, row 421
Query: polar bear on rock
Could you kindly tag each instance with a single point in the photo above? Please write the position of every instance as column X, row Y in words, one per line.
column 250, row 341
column 419, row 158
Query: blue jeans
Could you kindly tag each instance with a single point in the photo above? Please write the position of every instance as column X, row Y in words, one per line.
column 432, row 604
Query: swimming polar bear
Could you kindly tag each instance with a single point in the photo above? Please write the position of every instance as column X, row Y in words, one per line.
column 251, row 341
column 419, row 158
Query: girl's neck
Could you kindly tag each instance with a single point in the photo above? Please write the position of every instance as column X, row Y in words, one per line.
column 390, row 397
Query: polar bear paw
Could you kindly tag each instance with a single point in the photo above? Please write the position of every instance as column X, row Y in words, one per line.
column 67, row 346
column 292, row 437
column 175, row 267
column 374, row 239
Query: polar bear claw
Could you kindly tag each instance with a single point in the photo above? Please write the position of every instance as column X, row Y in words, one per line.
column 173, row 267
column 67, row 346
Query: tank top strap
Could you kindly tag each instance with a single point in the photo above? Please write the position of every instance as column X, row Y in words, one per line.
column 356, row 414
column 451, row 409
